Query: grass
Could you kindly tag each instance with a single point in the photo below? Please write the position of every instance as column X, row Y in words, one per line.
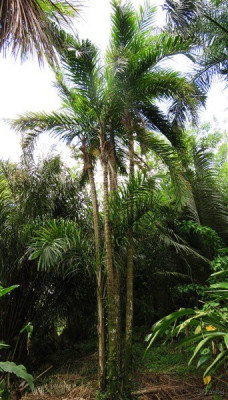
column 165, row 359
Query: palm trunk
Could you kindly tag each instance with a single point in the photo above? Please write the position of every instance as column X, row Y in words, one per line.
column 114, row 343
column 98, row 269
column 129, row 277
column 117, row 272
column 100, row 294
column 112, row 165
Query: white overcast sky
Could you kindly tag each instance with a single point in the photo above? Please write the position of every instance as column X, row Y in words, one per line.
column 27, row 87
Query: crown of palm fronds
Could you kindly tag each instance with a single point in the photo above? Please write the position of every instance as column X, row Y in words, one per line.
column 27, row 26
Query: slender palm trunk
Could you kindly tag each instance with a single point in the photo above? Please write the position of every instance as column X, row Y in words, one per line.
column 100, row 289
column 112, row 165
column 114, row 343
column 129, row 275
column 117, row 271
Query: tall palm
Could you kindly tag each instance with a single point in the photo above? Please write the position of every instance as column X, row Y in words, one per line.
column 138, row 77
column 118, row 102
column 75, row 122
column 28, row 26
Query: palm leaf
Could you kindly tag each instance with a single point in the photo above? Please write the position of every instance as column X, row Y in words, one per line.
column 55, row 241
column 26, row 27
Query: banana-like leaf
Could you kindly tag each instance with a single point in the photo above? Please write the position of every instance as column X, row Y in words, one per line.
column 166, row 321
column 19, row 370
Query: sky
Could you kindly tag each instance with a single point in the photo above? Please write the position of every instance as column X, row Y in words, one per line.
column 28, row 87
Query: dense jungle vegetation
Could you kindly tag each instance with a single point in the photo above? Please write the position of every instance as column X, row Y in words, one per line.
column 122, row 260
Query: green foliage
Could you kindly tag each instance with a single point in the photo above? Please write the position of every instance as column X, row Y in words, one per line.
column 18, row 370
column 31, row 28
column 36, row 195
column 9, row 367
column 206, row 23
column 175, row 221
column 208, row 235
column 57, row 241
column 166, row 359
column 4, row 291
column 208, row 328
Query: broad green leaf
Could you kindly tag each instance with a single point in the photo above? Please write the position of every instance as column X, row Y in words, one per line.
column 171, row 318
column 18, row 370
column 220, row 285
column 154, row 337
column 148, row 337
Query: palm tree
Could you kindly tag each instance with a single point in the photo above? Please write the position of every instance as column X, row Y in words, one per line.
column 29, row 26
column 75, row 122
column 118, row 107
column 137, row 76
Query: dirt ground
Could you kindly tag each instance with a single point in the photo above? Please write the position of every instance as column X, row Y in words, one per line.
column 151, row 386
column 79, row 383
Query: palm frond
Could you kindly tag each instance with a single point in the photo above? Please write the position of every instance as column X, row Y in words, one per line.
column 208, row 197
column 145, row 17
column 170, row 238
column 80, row 59
column 57, row 241
column 61, row 125
column 181, row 13
column 26, row 27
column 206, row 23
column 141, row 192
column 170, row 158
column 155, row 119
column 123, row 23
column 155, row 49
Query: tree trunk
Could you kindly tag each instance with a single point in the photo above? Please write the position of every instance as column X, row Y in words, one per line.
column 100, row 289
column 129, row 279
column 112, row 165
column 114, row 343
column 117, row 271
